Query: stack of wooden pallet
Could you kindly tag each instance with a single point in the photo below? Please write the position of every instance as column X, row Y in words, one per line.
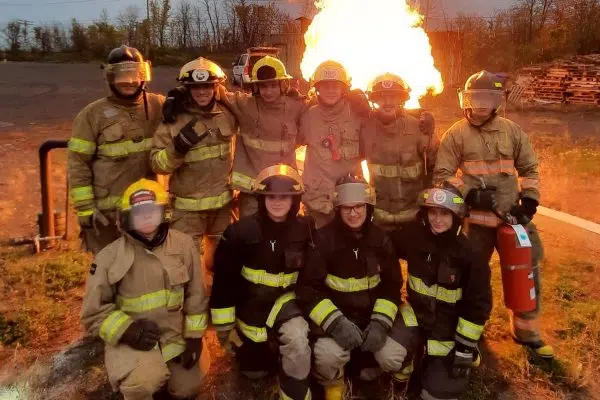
column 574, row 81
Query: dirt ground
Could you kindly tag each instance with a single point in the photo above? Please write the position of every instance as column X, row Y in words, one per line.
column 39, row 101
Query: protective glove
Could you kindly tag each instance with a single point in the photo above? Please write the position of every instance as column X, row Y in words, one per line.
column 345, row 333
column 375, row 336
column 223, row 337
column 426, row 123
column 89, row 221
column 525, row 211
column 173, row 105
column 186, row 138
column 191, row 354
column 463, row 361
column 482, row 199
column 358, row 102
column 141, row 335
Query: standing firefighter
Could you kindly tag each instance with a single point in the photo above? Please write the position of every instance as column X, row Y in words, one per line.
column 449, row 299
column 110, row 145
column 196, row 149
column 332, row 132
column 399, row 154
column 256, row 267
column 498, row 175
column 350, row 289
column 145, row 298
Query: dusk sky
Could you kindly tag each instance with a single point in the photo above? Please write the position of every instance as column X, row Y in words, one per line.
column 89, row 10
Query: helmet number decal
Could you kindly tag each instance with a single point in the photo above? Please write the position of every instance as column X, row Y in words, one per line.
column 330, row 74
column 200, row 75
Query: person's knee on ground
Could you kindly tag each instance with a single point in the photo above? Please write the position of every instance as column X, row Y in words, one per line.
column 330, row 360
column 294, row 348
column 142, row 382
column 184, row 383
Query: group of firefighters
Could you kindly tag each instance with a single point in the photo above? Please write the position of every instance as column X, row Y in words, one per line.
column 308, row 278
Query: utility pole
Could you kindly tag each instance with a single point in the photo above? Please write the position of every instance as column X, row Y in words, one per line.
column 149, row 30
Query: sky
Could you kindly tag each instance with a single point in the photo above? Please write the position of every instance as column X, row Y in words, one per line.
column 41, row 11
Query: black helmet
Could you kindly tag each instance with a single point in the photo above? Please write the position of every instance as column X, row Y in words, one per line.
column 482, row 90
column 124, row 53
column 278, row 179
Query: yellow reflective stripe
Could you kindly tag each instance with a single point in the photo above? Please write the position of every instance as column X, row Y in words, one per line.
column 439, row 348
column 85, row 213
column 271, row 146
column 162, row 159
column 113, row 326
column 397, row 171
column 408, row 315
column 469, row 329
column 151, row 301
column 386, row 307
column 124, row 148
column 82, row 193
column 222, row 316
column 206, row 203
column 349, row 285
column 488, row 167
column 322, row 311
column 279, row 303
column 395, row 218
column 254, row 333
column 82, row 146
column 172, row 350
column 283, row 396
column 241, row 180
column 451, row 296
column 207, row 152
column 262, row 277
column 196, row 323
column 108, row 203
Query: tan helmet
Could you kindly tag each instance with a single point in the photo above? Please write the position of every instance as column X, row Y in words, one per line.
column 269, row 69
column 330, row 71
column 279, row 179
column 445, row 198
column 482, row 90
column 388, row 83
column 201, row 71
column 353, row 189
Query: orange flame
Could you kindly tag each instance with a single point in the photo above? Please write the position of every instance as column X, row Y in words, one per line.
column 372, row 38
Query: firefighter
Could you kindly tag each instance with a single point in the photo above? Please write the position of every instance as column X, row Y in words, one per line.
column 449, row 299
column 350, row 288
column 196, row 149
column 498, row 175
column 331, row 131
column 145, row 298
column 256, row 267
column 400, row 152
column 110, row 146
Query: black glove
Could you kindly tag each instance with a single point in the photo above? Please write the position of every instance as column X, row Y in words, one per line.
column 141, row 335
column 186, row 138
column 191, row 354
column 482, row 199
column 358, row 102
column 525, row 211
column 426, row 123
column 375, row 336
column 463, row 361
column 173, row 105
column 345, row 333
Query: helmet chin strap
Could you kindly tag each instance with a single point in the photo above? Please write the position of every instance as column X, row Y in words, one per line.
column 475, row 122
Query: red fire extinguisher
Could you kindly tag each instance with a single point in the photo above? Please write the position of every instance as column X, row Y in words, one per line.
column 514, row 248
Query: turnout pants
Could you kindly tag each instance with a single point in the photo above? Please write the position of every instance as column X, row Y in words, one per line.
column 287, row 351
column 525, row 326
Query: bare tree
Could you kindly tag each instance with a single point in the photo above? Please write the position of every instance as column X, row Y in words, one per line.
column 183, row 24
column 13, row 35
column 128, row 24
column 160, row 11
column 43, row 38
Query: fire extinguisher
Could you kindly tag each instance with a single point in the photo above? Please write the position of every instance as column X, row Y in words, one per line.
column 514, row 249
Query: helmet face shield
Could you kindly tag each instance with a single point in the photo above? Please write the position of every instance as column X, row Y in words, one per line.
column 128, row 72
column 353, row 193
column 480, row 99
column 145, row 218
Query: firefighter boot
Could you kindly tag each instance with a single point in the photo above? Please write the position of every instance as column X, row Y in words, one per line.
column 539, row 348
column 335, row 391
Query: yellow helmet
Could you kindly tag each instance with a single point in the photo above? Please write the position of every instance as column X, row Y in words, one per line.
column 201, row 71
column 269, row 69
column 388, row 83
column 330, row 71
column 142, row 192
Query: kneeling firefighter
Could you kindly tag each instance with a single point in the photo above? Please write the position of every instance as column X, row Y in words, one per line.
column 350, row 288
column 196, row 149
column 145, row 298
column 449, row 299
column 256, row 267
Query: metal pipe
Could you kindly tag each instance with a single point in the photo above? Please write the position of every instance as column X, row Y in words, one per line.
column 47, row 228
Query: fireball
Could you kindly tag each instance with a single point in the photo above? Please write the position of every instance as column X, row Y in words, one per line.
column 372, row 38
